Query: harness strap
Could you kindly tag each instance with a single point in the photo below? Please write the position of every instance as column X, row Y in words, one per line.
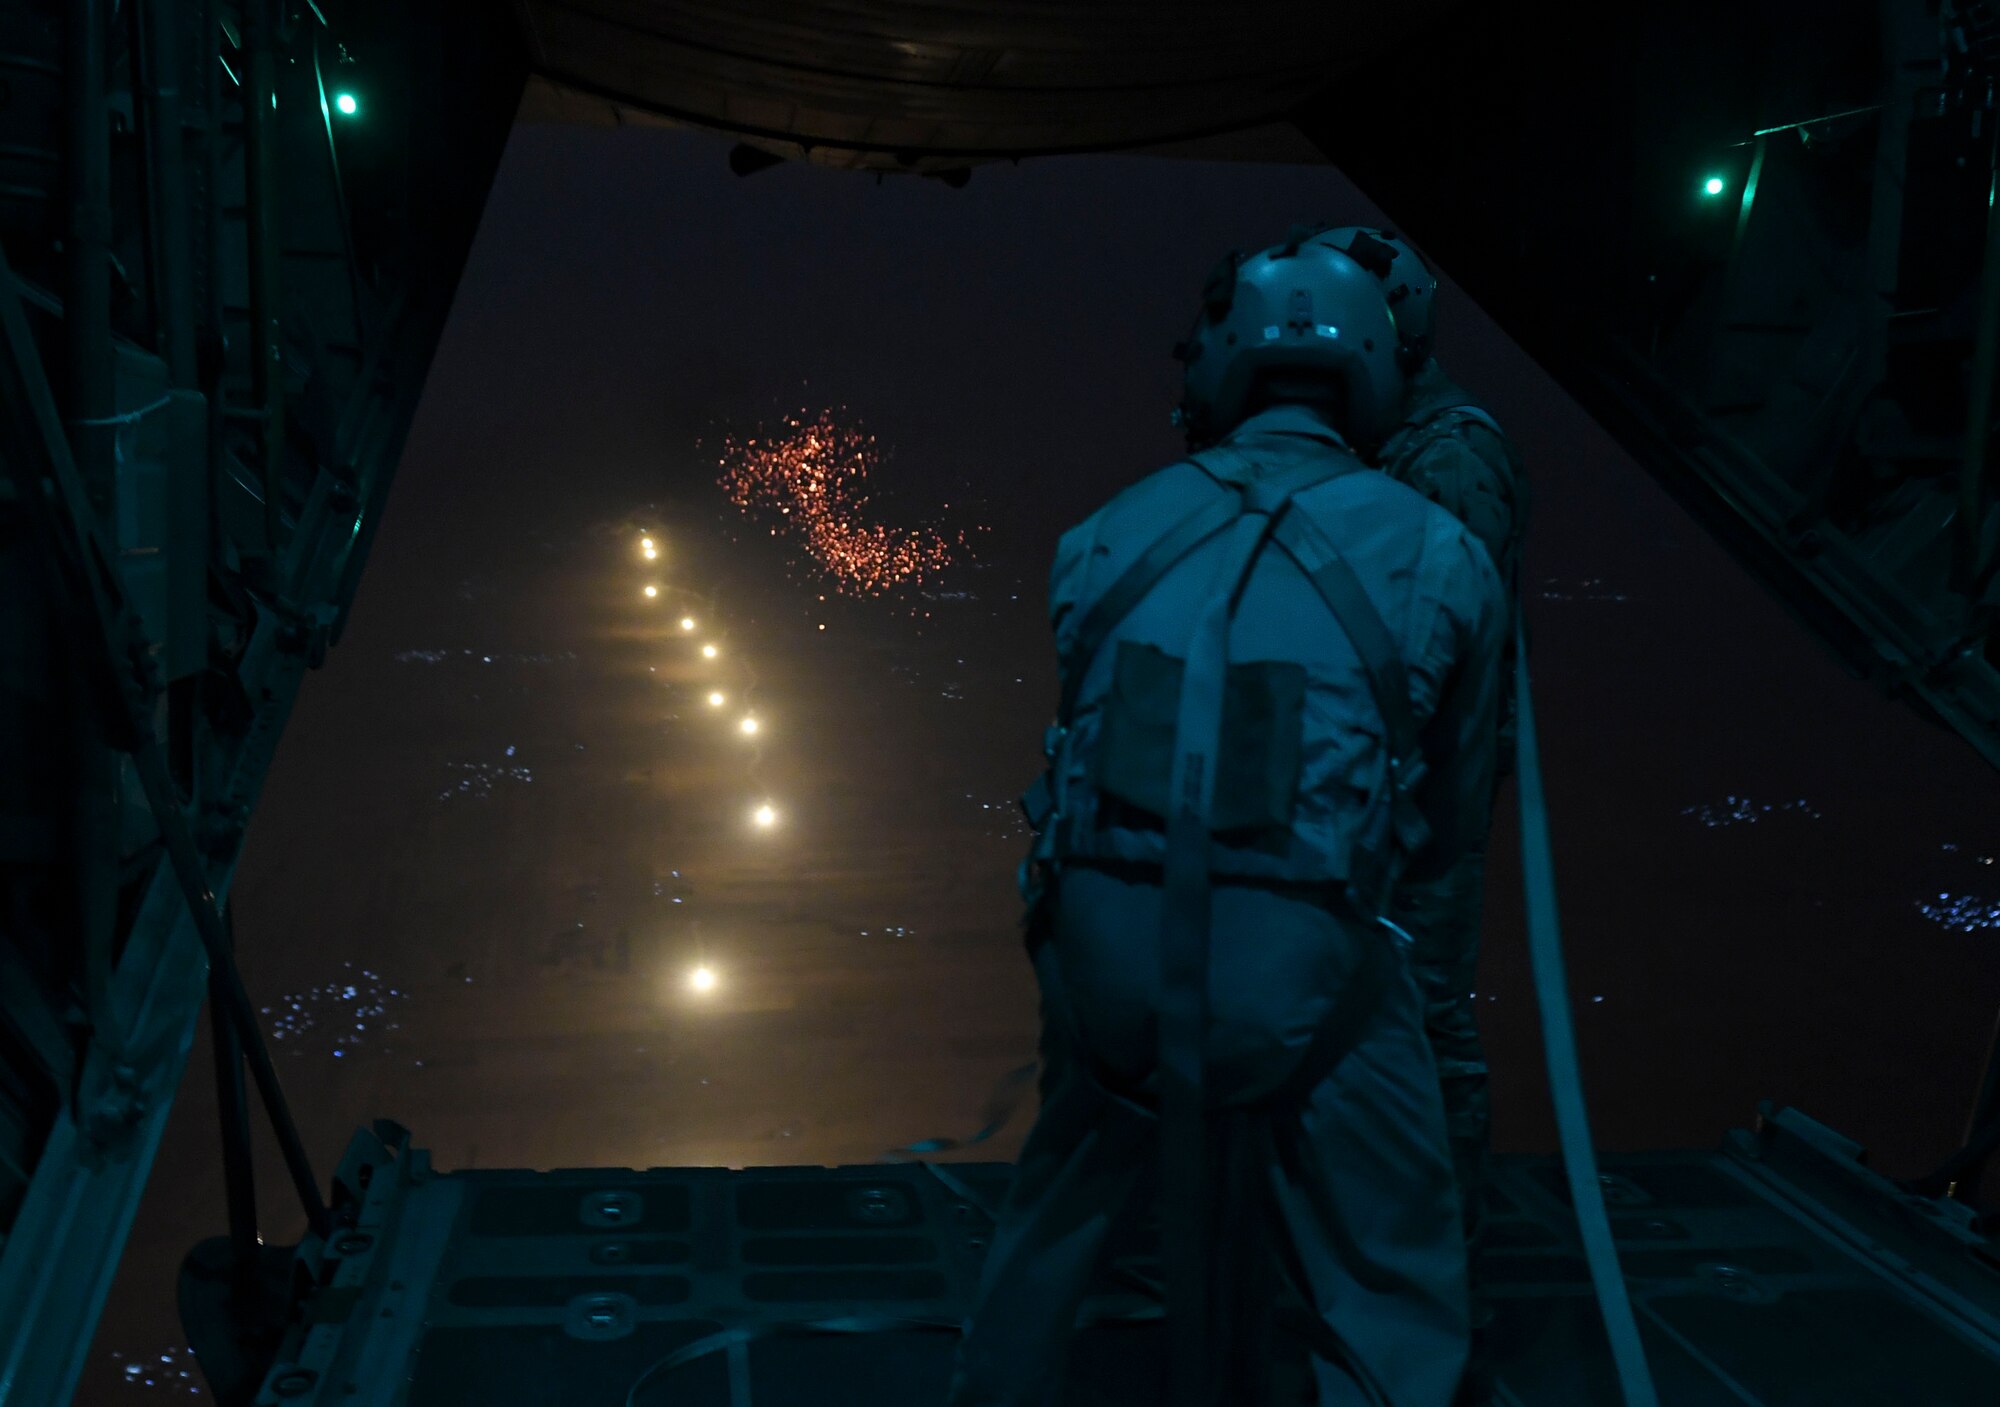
column 1231, row 471
column 1234, row 472
column 1197, row 1356
column 1334, row 579
column 1388, row 684
column 1256, row 508
column 1187, row 1233
column 1336, row 1035
column 1586, row 1192
column 1166, row 553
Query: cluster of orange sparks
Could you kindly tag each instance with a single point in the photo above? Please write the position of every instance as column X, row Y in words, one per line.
column 810, row 475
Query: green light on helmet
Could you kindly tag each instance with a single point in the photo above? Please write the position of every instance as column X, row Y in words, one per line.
column 1714, row 185
column 346, row 104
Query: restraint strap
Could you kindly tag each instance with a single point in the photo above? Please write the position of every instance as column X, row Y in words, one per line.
column 1187, row 1210
column 1142, row 576
column 1593, row 1223
column 1187, row 1240
column 1230, row 469
column 1382, row 666
column 1344, row 595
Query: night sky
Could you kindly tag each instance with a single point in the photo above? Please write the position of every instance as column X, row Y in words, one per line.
column 504, row 824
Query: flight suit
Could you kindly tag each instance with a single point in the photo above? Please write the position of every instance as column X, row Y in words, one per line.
column 1461, row 462
column 1355, row 1182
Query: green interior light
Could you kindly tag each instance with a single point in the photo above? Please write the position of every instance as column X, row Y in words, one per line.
column 1713, row 185
column 345, row 105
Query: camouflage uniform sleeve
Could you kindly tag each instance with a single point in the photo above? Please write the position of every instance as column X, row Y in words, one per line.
column 1474, row 477
column 1459, row 742
column 1477, row 489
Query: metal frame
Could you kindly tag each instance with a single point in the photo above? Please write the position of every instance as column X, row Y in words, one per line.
column 186, row 697
column 75, row 548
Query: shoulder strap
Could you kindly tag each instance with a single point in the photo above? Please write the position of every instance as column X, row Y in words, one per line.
column 1231, row 470
column 1388, row 684
column 1347, row 599
column 1188, row 1240
column 1188, row 1237
column 1132, row 585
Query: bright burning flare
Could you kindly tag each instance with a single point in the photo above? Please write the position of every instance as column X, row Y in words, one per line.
column 702, row 979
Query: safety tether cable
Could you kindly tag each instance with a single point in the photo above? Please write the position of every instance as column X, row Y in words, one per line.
column 1593, row 1223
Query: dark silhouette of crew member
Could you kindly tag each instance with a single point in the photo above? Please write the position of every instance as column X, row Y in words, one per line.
column 1280, row 692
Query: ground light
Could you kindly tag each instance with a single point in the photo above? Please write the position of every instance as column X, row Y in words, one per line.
column 346, row 104
column 702, row 979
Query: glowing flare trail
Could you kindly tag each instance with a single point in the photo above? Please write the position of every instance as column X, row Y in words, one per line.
column 810, row 479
